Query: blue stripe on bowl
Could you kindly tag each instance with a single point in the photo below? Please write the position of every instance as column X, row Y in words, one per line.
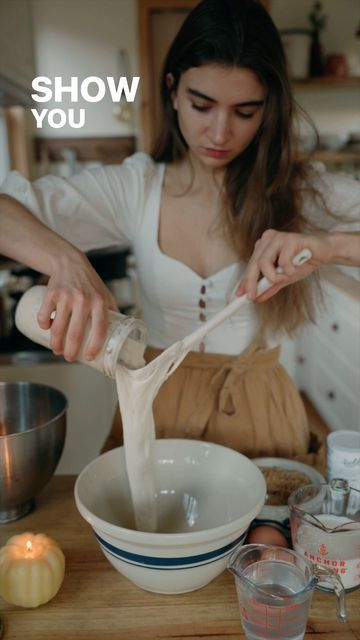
column 167, row 563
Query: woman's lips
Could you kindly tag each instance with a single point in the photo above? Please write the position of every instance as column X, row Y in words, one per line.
column 216, row 153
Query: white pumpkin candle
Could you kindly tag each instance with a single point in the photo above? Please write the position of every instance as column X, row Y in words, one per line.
column 32, row 568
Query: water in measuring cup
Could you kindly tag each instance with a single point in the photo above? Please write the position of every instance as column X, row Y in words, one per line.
column 265, row 618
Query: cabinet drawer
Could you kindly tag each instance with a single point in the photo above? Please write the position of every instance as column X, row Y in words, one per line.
column 338, row 404
column 339, row 369
column 342, row 334
column 340, row 325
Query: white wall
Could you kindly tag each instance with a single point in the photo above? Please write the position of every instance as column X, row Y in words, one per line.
column 332, row 110
column 82, row 38
column 16, row 46
column 4, row 149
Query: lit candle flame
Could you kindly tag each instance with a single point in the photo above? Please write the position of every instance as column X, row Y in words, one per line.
column 28, row 545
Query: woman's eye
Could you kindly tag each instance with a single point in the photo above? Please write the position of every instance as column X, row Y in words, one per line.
column 244, row 114
column 204, row 108
column 199, row 107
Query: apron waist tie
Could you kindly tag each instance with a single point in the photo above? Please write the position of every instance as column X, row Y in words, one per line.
column 224, row 383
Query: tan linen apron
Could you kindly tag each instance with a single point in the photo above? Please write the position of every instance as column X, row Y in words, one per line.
column 246, row 402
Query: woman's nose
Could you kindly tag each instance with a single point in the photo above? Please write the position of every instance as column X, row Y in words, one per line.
column 220, row 128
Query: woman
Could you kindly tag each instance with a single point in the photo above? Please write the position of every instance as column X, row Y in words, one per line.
column 222, row 189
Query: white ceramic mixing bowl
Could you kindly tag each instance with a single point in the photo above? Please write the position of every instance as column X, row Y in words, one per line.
column 206, row 499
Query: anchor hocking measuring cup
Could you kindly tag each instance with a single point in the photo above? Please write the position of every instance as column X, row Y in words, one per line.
column 274, row 588
column 325, row 528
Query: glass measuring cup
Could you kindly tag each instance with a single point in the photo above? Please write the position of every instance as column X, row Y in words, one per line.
column 274, row 588
column 325, row 528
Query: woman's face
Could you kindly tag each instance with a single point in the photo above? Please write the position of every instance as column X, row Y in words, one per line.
column 219, row 110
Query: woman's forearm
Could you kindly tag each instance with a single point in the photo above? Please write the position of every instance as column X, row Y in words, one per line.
column 26, row 239
column 346, row 248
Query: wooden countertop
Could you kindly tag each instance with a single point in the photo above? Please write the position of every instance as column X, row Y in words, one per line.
column 97, row 603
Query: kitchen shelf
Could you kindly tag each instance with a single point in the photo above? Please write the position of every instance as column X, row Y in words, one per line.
column 328, row 156
column 326, row 82
column 108, row 150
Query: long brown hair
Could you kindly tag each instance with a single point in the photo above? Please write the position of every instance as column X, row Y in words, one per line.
column 263, row 184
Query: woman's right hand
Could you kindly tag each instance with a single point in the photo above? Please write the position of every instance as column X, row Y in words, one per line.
column 75, row 293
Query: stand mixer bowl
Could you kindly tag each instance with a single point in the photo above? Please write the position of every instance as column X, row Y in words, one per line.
column 32, row 436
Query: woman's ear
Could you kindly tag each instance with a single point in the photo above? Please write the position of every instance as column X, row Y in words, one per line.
column 170, row 83
column 170, row 80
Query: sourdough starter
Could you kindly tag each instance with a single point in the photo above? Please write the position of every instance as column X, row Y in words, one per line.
column 136, row 390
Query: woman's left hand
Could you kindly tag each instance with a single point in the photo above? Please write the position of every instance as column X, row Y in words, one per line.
column 278, row 249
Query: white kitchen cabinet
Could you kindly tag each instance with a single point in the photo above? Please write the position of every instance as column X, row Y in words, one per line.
column 328, row 358
column 288, row 356
column 91, row 405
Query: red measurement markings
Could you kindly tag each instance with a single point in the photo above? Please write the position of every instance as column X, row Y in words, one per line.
column 268, row 617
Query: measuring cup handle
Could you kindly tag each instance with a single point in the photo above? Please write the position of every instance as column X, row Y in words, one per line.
column 324, row 574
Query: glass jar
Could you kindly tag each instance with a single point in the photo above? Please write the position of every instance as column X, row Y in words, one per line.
column 125, row 342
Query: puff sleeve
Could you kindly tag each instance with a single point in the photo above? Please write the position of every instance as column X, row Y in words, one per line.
column 92, row 209
column 340, row 193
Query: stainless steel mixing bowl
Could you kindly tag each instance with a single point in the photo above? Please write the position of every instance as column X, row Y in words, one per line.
column 32, row 436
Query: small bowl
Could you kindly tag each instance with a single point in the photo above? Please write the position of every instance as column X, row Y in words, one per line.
column 207, row 497
column 32, row 436
column 279, row 513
